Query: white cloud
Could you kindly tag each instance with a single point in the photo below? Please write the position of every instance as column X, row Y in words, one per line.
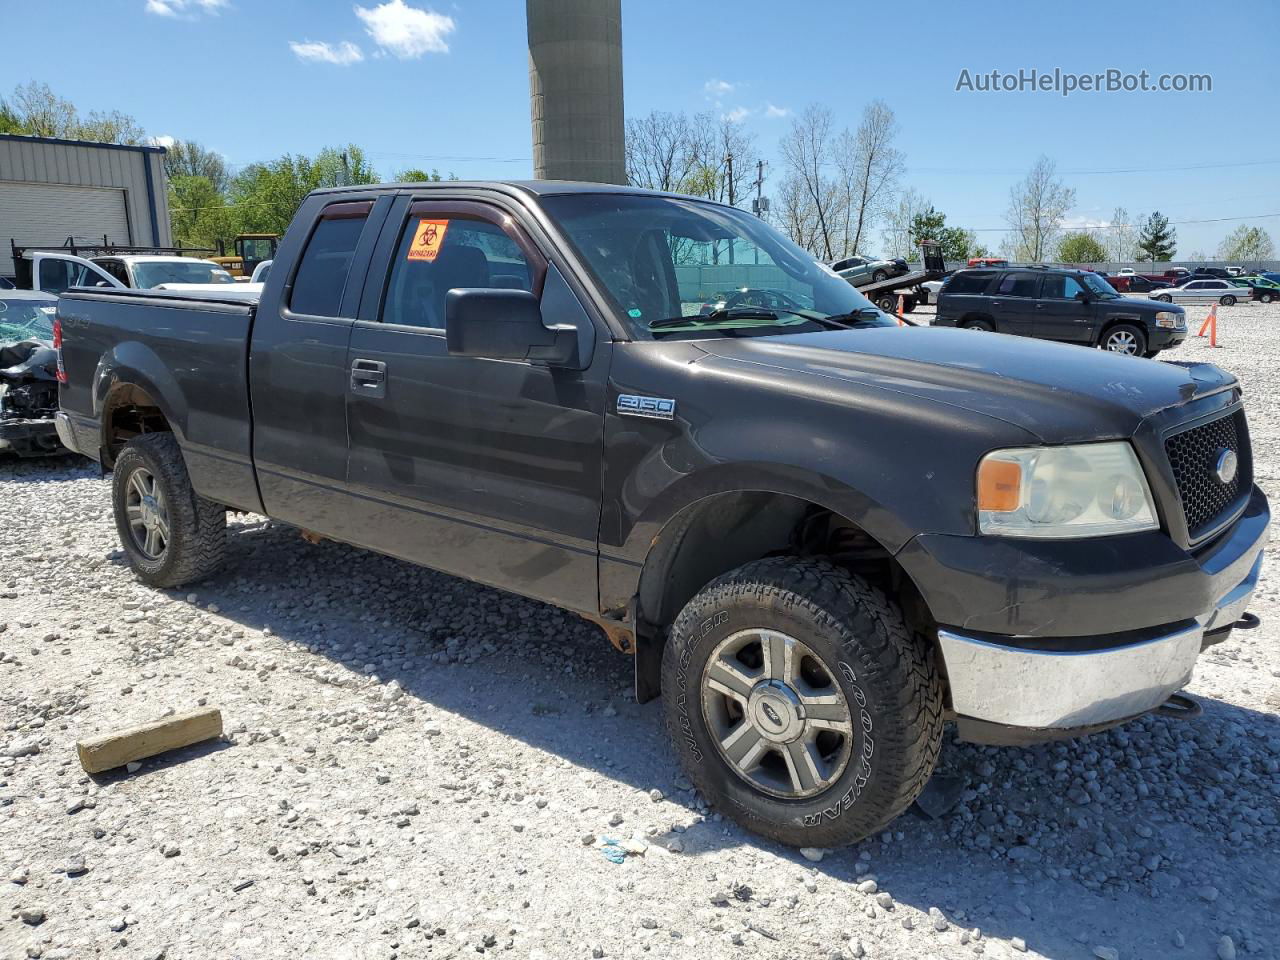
column 164, row 140
column 718, row 88
column 1077, row 222
column 176, row 8
column 773, row 112
column 737, row 114
column 317, row 51
column 406, row 32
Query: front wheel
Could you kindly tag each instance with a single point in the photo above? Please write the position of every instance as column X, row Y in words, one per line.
column 1227, row 301
column 887, row 302
column 171, row 535
column 1165, row 298
column 1265, row 297
column 1125, row 338
column 800, row 703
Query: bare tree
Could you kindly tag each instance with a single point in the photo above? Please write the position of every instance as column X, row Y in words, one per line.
column 896, row 240
column 869, row 167
column 660, row 151
column 1037, row 207
column 808, row 152
column 1122, row 237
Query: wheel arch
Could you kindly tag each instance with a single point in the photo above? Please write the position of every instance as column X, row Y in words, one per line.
column 135, row 393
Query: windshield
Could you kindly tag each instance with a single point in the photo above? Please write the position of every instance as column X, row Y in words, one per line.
column 1099, row 286
column 156, row 272
column 665, row 258
column 26, row 319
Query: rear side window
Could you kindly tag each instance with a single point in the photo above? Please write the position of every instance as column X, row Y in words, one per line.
column 1018, row 285
column 968, row 282
column 326, row 261
column 1060, row 287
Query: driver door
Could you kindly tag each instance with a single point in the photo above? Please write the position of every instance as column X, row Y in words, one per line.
column 1062, row 314
column 58, row 272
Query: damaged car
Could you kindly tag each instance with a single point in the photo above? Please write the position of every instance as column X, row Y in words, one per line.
column 28, row 374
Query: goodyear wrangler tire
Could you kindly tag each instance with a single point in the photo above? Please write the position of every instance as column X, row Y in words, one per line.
column 799, row 702
column 171, row 535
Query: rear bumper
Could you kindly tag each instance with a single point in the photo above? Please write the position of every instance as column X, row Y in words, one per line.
column 23, row 435
column 1106, row 635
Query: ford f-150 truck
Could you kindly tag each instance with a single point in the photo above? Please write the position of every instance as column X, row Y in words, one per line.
column 821, row 535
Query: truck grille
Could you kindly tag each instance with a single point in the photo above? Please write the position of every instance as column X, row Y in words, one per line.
column 1194, row 455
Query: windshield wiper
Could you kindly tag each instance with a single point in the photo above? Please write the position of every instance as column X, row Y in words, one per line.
column 716, row 316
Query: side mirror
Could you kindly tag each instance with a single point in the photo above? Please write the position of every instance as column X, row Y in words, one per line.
column 1083, row 297
column 503, row 325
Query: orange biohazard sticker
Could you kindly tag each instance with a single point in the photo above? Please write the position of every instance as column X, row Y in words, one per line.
column 427, row 240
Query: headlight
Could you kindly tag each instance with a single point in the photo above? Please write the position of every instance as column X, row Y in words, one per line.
column 1086, row 490
column 1167, row 318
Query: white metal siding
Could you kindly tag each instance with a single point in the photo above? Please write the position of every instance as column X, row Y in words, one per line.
column 45, row 213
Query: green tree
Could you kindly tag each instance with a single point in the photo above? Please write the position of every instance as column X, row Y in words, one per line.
column 417, row 175
column 186, row 158
column 198, row 212
column 1247, row 243
column 266, row 195
column 1081, row 247
column 1156, row 239
column 35, row 110
column 955, row 243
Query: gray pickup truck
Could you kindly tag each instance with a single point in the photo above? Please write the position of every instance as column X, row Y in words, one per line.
column 821, row 535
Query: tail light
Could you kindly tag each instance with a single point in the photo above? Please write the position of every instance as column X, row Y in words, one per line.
column 57, row 345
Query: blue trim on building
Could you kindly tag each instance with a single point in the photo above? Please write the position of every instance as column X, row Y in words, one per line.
column 83, row 143
column 151, row 201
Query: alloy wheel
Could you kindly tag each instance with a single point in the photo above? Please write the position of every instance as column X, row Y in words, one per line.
column 777, row 714
column 1122, row 341
column 147, row 513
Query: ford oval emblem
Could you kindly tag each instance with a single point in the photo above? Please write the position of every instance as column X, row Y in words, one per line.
column 1227, row 465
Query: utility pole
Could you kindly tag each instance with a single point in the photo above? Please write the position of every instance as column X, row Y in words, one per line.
column 759, row 194
column 729, row 163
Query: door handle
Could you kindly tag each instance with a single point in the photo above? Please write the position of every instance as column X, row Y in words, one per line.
column 369, row 378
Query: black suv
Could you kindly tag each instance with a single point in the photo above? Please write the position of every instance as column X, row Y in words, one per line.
column 1071, row 306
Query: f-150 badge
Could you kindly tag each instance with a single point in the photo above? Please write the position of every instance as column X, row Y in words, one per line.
column 654, row 408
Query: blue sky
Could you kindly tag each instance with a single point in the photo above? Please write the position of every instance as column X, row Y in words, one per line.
column 446, row 85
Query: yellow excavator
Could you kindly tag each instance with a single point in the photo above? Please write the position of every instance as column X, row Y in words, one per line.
column 251, row 249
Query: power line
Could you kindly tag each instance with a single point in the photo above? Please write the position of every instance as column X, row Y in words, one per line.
column 1113, row 226
column 988, row 171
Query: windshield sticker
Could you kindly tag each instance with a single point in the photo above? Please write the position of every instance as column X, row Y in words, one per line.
column 635, row 313
column 427, row 240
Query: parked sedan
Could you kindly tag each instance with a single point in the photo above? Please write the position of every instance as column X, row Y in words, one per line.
column 1133, row 283
column 1201, row 291
column 863, row 270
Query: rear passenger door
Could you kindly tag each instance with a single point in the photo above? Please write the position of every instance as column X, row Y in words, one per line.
column 489, row 469
column 298, row 368
column 1062, row 314
column 1013, row 303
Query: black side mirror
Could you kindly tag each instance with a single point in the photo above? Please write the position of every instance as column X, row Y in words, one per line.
column 1083, row 297
column 504, row 325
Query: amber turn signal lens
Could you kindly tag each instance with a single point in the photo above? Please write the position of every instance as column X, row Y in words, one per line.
column 999, row 486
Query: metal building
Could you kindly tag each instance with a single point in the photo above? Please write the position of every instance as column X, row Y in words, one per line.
column 575, row 83
column 54, row 189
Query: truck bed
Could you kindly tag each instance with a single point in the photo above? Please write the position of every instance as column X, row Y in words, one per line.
column 189, row 353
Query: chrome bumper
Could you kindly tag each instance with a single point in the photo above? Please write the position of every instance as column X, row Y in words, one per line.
column 1056, row 690
column 62, row 423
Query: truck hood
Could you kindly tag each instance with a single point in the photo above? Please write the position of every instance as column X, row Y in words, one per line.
column 1058, row 392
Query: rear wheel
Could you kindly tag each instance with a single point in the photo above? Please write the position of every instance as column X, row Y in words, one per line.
column 171, row 535
column 888, row 302
column 878, row 276
column 800, row 703
column 982, row 326
column 1165, row 298
column 1266, row 297
column 1227, row 301
column 1125, row 338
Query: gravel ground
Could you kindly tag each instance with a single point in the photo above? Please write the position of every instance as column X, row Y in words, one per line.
column 419, row 767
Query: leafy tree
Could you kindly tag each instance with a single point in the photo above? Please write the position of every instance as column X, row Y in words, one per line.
column 266, row 195
column 1081, row 247
column 198, row 212
column 1247, row 243
column 186, row 158
column 1156, row 239
column 418, row 175
column 954, row 242
column 35, row 110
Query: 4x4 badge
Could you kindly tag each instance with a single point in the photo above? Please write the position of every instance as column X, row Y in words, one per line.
column 654, row 408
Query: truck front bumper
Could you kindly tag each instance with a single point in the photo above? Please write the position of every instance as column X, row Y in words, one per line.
column 1080, row 635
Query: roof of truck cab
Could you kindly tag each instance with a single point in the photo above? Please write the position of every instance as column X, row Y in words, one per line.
column 538, row 188
column 152, row 258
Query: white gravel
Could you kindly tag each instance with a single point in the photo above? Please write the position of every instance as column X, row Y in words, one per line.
column 420, row 767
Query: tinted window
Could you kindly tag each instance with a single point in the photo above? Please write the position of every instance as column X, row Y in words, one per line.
column 57, row 275
column 440, row 252
column 967, row 282
column 322, row 273
column 1018, row 285
column 154, row 273
column 1060, row 287
column 1196, row 285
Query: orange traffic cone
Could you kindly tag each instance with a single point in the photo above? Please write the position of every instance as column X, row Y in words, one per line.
column 901, row 310
column 1210, row 323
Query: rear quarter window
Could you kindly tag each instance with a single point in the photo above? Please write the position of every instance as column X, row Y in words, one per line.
column 326, row 261
column 968, row 282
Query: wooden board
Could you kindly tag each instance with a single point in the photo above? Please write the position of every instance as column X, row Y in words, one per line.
column 110, row 750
